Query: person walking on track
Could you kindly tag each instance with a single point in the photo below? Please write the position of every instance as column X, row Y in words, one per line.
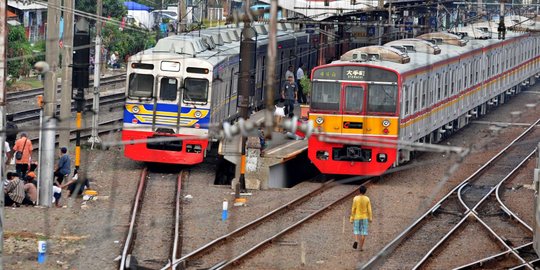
column 360, row 215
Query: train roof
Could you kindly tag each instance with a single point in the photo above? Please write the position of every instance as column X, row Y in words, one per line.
column 213, row 44
column 422, row 59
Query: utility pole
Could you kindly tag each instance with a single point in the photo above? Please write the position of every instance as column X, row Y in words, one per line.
column 3, row 71
column 65, row 102
column 94, row 138
column 247, row 46
column 271, row 72
column 81, row 64
column 181, row 21
column 46, row 163
column 502, row 28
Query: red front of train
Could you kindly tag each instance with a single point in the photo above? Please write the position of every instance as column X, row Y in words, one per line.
column 354, row 108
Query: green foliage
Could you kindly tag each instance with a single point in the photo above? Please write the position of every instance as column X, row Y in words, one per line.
column 113, row 8
column 19, row 52
column 39, row 51
column 128, row 41
column 306, row 85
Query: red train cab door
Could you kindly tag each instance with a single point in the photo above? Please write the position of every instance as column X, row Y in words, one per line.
column 353, row 97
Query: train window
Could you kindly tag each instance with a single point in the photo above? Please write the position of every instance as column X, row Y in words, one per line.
column 424, row 91
column 140, row 85
column 406, row 94
column 415, row 97
column 168, row 88
column 195, row 90
column 438, row 83
column 382, row 98
column 448, row 76
column 354, row 99
column 326, row 96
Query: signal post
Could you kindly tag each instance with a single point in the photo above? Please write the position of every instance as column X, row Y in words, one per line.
column 80, row 77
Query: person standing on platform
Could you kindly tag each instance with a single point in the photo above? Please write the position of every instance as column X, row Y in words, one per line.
column 289, row 92
column 289, row 72
column 360, row 215
column 23, row 152
column 299, row 77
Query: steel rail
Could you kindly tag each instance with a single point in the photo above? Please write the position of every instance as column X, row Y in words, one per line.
column 377, row 259
column 253, row 223
column 259, row 246
column 128, row 244
column 508, row 212
column 33, row 114
column 525, row 264
column 176, row 249
column 492, row 257
column 72, row 132
column 472, row 212
column 38, row 91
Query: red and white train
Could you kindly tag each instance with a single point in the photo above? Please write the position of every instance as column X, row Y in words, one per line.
column 415, row 90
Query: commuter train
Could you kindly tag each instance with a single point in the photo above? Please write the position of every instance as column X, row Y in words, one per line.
column 368, row 104
column 188, row 83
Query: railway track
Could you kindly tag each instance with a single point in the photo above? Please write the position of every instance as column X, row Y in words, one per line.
column 256, row 235
column 154, row 240
column 105, row 127
column 33, row 114
column 39, row 91
column 468, row 201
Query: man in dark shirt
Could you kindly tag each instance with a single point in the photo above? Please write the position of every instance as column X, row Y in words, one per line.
column 63, row 168
column 11, row 136
column 289, row 92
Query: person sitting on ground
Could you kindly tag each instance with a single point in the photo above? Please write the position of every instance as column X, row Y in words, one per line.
column 31, row 178
column 63, row 168
column 14, row 193
column 77, row 184
column 31, row 192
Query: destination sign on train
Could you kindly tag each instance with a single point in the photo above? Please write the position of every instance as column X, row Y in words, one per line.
column 354, row 73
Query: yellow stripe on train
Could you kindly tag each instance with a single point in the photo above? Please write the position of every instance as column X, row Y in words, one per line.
column 355, row 124
column 144, row 111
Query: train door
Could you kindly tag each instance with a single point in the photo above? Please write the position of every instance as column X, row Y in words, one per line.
column 167, row 103
column 353, row 96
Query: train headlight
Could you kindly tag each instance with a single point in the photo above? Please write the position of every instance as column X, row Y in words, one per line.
column 135, row 109
column 319, row 120
column 386, row 123
column 198, row 114
column 381, row 157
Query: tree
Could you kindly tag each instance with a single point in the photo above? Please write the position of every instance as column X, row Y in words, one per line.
column 19, row 52
column 113, row 8
column 127, row 42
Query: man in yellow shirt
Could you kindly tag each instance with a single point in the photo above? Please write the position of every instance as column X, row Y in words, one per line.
column 360, row 214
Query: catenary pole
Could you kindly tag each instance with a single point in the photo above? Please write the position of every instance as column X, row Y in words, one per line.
column 271, row 74
column 181, row 21
column 46, row 163
column 3, row 68
column 94, row 138
column 67, row 55
column 247, row 47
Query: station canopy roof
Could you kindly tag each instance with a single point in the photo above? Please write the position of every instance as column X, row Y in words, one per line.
column 136, row 6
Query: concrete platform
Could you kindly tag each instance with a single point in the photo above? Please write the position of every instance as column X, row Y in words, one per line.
column 268, row 168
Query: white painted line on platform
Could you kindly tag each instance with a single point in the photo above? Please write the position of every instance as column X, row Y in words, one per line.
column 532, row 92
column 282, row 147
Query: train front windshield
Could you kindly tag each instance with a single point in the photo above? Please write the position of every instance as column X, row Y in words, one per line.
column 196, row 90
column 140, row 85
